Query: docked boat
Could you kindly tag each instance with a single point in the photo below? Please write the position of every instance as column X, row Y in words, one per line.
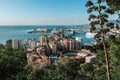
column 90, row 35
column 42, row 29
column 39, row 30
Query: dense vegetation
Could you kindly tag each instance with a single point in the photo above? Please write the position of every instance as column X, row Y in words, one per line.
column 114, row 4
column 13, row 66
column 12, row 62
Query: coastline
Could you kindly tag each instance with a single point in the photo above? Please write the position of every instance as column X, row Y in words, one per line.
column 21, row 32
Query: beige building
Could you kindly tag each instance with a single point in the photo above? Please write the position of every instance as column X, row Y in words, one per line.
column 71, row 44
column 43, row 40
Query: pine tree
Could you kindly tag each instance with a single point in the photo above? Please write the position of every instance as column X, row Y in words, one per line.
column 99, row 22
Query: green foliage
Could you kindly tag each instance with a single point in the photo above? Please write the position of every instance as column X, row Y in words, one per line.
column 100, row 70
column 11, row 62
column 114, row 4
column 114, row 58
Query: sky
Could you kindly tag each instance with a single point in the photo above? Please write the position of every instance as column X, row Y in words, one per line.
column 43, row 12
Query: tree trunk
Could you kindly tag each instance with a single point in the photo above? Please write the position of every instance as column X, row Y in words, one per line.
column 106, row 59
column 104, row 44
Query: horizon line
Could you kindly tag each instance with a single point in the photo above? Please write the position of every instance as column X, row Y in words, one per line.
column 48, row 25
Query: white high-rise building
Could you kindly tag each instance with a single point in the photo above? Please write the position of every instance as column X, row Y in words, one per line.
column 79, row 42
column 31, row 43
column 79, row 39
column 17, row 43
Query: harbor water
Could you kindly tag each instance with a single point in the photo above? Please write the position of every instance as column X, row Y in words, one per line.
column 21, row 32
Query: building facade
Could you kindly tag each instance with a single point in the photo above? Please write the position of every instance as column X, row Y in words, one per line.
column 43, row 40
column 31, row 43
column 17, row 44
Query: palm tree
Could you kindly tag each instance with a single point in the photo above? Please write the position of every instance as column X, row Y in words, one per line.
column 98, row 22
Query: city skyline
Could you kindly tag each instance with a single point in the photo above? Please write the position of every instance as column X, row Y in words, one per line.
column 44, row 12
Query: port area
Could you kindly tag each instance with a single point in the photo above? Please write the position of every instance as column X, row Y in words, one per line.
column 56, row 30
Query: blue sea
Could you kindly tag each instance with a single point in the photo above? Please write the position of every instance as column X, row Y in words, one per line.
column 21, row 32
